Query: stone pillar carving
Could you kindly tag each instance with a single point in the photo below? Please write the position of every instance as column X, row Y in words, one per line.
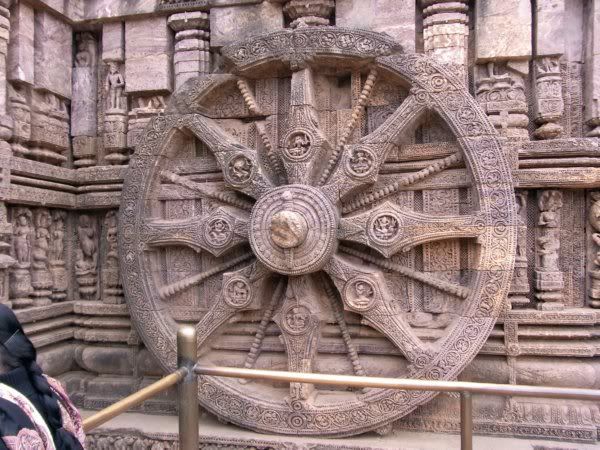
column 549, row 105
column 6, row 123
column 86, row 259
column 49, row 128
column 446, row 32
column 20, row 278
column 592, row 68
column 56, row 261
column 502, row 58
column 111, row 280
column 145, row 107
column 305, row 13
column 6, row 261
column 115, row 117
column 594, row 260
column 192, row 48
column 21, row 114
column 548, row 277
column 549, row 47
column 41, row 279
column 84, row 121
column 519, row 289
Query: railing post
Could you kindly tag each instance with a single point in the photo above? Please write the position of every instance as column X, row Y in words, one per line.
column 466, row 421
column 188, row 390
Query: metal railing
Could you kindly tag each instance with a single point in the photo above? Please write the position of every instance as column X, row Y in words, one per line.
column 187, row 378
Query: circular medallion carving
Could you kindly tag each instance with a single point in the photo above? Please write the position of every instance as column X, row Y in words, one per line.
column 360, row 163
column 309, row 232
column 297, row 146
column 361, row 294
column 292, row 229
column 240, row 170
column 385, row 227
column 296, row 319
column 218, row 232
column 237, row 292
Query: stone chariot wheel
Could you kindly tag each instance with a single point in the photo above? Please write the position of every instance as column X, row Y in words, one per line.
column 279, row 210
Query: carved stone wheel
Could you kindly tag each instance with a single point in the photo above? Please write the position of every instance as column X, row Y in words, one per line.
column 309, row 259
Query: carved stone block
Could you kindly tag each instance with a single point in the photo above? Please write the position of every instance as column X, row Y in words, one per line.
column 115, row 137
column 394, row 17
column 84, row 151
column 20, row 46
column 550, row 27
column 148, row 60
column 232, row 23
column 511, row 22
column 53, row 54
column 113, row 42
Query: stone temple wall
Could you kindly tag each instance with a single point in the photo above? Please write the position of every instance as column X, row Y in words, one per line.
column 80, row 82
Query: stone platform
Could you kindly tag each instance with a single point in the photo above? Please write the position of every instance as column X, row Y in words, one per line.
column 142, row 431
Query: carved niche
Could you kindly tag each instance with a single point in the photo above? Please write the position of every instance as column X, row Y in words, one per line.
column 299, row 248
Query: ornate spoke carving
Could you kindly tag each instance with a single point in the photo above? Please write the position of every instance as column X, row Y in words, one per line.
column 441, row 285
column 205, row 191
column 241, row 290
column 390, row 229
column 304, row 145
column 216, row 233
column 299, row 320
column 362, row 201
column 364, row 291
column 170, row 290
column 241, row 168
column 360, row 163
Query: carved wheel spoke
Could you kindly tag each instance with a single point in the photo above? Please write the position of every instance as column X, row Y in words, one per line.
column 221, row 231
column 241, row 168
column 390, row 229
column 300, row 319
column 364, row 291
column 299, row 202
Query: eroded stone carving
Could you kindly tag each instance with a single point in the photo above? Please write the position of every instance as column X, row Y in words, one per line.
column 41, row 279
column 306, row 264
column 20, row 281
column 56, row 262
column 549, row 278
column 86, row 260
column 112, row 289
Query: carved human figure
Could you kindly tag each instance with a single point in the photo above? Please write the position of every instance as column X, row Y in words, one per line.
column 110, row 223
column 240, row 169
column 219, row 231
column 361, row 162
column 87, row 252
column 57, row 231
column 42, row 238
column 364, row 294
column 385, row 227
column 297, row 318
column 299, row 146
column 114, row 86
column 594, row 271
column 83, row 56
column 22, row 237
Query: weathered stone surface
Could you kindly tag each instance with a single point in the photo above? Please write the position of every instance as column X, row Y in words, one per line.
column 20, row 46
column 113, row 42
column 148, row 53
column 393, row 17
column 53, row 54
column 511, row 22
column 592, row 67
column 230, row 24
column 550, row 27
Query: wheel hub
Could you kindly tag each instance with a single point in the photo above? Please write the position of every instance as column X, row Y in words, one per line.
column 293, row 229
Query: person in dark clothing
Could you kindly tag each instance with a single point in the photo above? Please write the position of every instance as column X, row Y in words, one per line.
column 35, row 412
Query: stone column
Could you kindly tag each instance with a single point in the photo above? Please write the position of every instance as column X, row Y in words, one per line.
column 594, row 251
column 84, row 122
column 519, row 288
column 305, row 13
column 192, row 48
column 148, row 71
column 503, row 51
column 115, row 100
column 549, row 281
column 6, row 260
column 6, row 123
column 592, row 68
column 446, row 32
column 41, row 279
column 549, row 47
column 86, row 259
column 20, row 277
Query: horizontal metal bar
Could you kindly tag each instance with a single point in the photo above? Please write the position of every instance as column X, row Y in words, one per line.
column 401, row 383
column 134, row 399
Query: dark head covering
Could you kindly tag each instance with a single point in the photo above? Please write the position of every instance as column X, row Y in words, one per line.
column 18, row 353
